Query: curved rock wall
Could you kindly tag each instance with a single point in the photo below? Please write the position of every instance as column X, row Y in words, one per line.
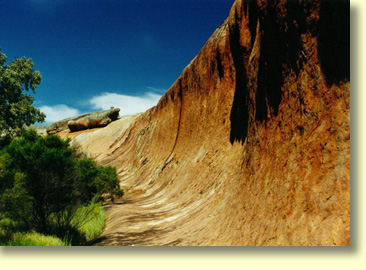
column 251, row 145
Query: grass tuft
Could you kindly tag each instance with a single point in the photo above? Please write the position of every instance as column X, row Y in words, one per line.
column 34, row 239
column 92, row 219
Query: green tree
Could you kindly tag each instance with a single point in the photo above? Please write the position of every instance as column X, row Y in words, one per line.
column 16, row 108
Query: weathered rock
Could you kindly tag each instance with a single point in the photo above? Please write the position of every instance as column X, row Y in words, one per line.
column 61, row 125
column 85, row 121
column 92, row 120
column 250, row 146
column 107, row 199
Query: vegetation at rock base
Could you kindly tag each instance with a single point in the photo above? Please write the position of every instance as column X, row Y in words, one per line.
column 16, row 110
column 15, row 234
column 49, row 188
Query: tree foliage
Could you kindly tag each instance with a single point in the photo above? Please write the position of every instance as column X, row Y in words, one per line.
column 95, row 179
column 43, row 182
column 16, row 109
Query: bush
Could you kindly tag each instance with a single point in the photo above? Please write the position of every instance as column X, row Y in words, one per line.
column 118, row 192
column 44, row 183
column 95, row 180
column 7, row 228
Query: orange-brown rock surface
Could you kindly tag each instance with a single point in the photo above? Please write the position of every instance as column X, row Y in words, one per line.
column 250, row 146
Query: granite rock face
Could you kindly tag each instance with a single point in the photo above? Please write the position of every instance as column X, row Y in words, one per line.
column 250, row 146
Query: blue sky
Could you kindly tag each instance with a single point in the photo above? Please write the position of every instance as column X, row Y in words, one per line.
column 94, row 54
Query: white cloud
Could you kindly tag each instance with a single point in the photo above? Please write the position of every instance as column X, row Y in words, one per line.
column 58, row 112
column 128, row 104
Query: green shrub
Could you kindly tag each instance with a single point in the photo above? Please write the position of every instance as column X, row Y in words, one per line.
column 44, row 183
column 95, row 180
column 87, row 173
column 42, row 172
column 118, row 192
column 6, row 224
column 7, row 228
column 107, row 179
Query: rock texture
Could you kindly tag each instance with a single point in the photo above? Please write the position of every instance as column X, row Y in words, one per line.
column 93, row 120
column 85, row 121
column 61, row 125
column 250, row 146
